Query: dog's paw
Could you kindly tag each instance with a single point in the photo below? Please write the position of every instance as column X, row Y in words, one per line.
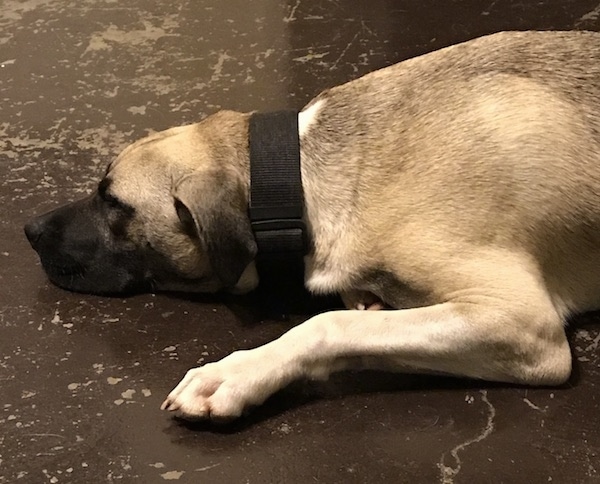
column 362, row 300
column 220, row 391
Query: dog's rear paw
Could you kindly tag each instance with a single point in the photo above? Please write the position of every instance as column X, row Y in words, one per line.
column 362, row 300
column 220, row 391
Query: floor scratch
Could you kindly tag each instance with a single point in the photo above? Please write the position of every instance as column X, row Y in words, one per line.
column 534, row 406
column 448, row 473
column 489, row 9
column 591, row 15
column 206, row 468
column 292, row 15
column 334, row 65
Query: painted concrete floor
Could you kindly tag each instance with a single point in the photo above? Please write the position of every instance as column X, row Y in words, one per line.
column 82, row 377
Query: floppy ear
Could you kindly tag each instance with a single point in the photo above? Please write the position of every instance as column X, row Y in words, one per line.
column 213, row 208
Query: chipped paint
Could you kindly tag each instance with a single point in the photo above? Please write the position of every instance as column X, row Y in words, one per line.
column 172, row 475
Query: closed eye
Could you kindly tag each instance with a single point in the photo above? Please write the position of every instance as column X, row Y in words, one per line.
column 109, row 199
column 113, row 202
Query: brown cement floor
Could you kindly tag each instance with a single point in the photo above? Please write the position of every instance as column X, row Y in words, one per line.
column 82, row 377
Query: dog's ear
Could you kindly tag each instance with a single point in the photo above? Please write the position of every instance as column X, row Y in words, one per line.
column 213, row 208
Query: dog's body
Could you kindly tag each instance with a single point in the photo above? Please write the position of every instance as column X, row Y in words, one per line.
column 461, row 188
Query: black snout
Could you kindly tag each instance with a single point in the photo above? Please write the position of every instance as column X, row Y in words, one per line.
column 79, row 252
column 34, row 230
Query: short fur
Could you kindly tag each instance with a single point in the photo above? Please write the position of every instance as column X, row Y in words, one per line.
column 460, row 188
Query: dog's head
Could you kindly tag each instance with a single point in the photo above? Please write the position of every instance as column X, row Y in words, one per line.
column 170, row 214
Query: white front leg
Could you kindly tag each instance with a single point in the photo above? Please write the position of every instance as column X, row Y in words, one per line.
column 525, row 346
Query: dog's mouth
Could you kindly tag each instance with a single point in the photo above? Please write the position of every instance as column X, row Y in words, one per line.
column 58, row 264
column 65, row 274
column 103, row 279
column 63, row 269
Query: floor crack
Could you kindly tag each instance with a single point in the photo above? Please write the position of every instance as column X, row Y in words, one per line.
column 449, row 472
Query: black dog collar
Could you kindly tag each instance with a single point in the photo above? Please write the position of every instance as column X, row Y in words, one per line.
column 276, row 196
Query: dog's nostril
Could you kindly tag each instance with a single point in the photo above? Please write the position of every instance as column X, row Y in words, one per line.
column 33, row 231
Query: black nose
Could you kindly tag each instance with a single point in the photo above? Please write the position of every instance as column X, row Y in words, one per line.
column 34, row 230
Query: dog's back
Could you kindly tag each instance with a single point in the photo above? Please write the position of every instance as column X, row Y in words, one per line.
column 491, row 144
column 464, row 184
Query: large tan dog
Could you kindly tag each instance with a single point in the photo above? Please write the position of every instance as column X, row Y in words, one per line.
column 461, row 188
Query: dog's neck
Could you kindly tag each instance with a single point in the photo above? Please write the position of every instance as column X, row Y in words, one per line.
column 326, row 267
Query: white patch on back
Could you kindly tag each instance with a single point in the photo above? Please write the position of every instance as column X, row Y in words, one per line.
column 308, row 116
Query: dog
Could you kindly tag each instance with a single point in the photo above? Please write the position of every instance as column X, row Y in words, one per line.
column 461, row 189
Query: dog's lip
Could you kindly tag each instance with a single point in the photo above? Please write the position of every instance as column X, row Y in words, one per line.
column 74, row 277
column 62, row 268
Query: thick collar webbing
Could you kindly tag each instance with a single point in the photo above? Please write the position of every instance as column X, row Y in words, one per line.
column 276, row 196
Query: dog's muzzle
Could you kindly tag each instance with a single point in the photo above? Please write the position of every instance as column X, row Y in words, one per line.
column 77, row 252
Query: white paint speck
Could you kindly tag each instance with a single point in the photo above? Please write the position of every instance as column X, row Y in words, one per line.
column 218, row 67
column 172, row 475
column 113, row 380
column 146, row 392
column 310, row 56
column 137, row 110
column 56, row 318
column 157, row 465
column 170, row 348
column 292, row 15
column 119, row 401
column 27, row 394
column 73, row 386
column 128, row 394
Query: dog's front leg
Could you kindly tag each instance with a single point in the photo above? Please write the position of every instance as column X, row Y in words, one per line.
column 527, row 346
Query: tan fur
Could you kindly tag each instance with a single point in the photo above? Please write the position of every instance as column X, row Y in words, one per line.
column 149, row 173
column 471, row 176
column 461, row 188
